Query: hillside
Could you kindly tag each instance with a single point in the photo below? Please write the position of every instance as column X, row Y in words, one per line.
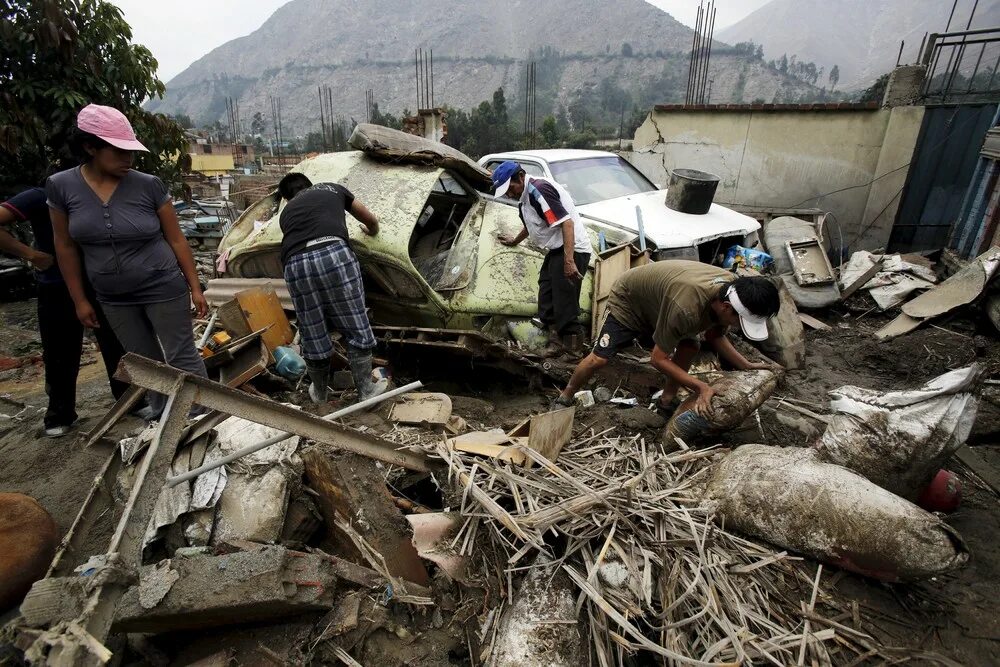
column 860, row 36
column 353, row 46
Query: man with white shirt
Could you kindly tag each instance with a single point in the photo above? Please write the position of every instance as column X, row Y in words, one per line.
column 551, row 220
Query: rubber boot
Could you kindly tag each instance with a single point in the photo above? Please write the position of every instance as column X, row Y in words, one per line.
column 361, row 370
column 319, row 373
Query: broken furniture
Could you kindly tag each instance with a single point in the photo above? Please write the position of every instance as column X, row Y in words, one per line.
column 800, row 261
column 610, row 266
column 254, row 309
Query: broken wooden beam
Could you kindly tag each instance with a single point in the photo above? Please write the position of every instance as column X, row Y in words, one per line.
column 160, row 377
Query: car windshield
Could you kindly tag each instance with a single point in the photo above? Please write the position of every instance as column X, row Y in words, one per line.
column 599, row 178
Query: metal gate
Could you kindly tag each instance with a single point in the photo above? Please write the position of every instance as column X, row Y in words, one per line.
column 943, row 165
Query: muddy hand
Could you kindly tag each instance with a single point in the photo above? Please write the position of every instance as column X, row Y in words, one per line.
column 703, row 406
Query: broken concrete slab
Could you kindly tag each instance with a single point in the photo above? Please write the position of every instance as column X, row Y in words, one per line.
column 269, row 583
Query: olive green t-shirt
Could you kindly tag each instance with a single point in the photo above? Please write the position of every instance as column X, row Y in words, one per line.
column 670, row 299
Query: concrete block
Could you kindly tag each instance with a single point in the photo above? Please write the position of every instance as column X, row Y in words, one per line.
column 269, row 583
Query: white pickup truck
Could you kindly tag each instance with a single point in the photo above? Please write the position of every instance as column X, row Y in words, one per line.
column 607, row 189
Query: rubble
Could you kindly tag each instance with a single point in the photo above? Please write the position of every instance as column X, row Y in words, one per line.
column 265, row 583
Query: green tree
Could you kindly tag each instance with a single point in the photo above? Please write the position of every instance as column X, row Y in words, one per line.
column 834, row 77
column 257, row 124
column 183, row 120
column 550, row 132
column 60, row 55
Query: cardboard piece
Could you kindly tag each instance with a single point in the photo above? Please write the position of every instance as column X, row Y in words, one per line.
column 547, row 433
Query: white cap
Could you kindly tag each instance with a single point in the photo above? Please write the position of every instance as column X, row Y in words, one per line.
column 754, row 326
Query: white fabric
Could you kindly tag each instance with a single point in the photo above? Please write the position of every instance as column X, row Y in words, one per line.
column 548, row 236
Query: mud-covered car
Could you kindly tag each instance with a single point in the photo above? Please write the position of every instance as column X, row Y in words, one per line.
column 437, row 260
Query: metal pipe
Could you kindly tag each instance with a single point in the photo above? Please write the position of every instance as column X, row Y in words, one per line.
column 281, row 437
column 642, row 229
column 902, row 43
column 694, row 56
column 203, row 341
column 708, row 55
column 972, row 15
column 954, row 6
column 979, row 61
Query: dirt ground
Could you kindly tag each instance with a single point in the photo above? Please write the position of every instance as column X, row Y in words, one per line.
column 953, row 616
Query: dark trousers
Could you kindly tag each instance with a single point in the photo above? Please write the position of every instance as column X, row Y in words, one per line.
column 558, row 296
column 62, row 345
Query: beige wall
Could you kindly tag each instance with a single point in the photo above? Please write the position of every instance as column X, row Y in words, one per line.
column 792, row 159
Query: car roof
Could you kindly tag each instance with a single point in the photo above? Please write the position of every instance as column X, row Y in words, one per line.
column 554, row 154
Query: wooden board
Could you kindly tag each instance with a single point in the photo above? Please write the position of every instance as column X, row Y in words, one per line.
column 547, row 433
column 247, row 363
column 610, row 266
column 812, row 322
column 262, row 310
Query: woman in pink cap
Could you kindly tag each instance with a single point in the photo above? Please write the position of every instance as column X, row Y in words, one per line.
column 120, row 225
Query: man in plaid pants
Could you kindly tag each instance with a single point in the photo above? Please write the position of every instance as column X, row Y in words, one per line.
column 324, row 280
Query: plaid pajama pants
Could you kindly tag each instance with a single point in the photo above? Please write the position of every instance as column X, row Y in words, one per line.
column 328, row 295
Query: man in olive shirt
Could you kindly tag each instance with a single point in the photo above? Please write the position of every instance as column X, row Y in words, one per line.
column 673, row 302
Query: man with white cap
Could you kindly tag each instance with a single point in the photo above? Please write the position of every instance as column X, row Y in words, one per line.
column 550, row 219
column 674, row 302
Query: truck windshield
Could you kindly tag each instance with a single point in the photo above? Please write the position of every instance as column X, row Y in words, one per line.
column 595, row 179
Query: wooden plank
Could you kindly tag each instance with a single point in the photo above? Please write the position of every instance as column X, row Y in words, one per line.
column 862, row 280
column 551, row 431
column 492, row 451
column 352, row 489
column 247, row 364
column 813, row 323
column 262, row 310
column 609, row 267
column 546, row 433
column 977, row 464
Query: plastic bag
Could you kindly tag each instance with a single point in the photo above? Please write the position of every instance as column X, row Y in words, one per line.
column 740, row 257
column 790, row 498
column 900, row 439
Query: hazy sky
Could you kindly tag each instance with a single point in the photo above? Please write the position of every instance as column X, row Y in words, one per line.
column 198, row 26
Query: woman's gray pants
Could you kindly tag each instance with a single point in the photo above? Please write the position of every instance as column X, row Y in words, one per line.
column 161, row 332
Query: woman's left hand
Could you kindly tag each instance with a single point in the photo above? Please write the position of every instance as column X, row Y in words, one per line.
column 200, row 304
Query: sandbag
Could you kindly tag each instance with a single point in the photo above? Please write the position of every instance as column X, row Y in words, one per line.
column 28, row 541
column 790, row 498
column 900, row 439
column 737, row 395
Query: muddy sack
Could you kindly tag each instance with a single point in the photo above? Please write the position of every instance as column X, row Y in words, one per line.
column 737, row 395
column 900, row 439
column 792, row 499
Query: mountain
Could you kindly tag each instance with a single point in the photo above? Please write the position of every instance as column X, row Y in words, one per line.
column 861, row 37
column 356, row 45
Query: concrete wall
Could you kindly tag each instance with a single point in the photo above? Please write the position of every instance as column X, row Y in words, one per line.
column 791, row 158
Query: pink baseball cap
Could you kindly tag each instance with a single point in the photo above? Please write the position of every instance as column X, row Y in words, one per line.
column 109, row 124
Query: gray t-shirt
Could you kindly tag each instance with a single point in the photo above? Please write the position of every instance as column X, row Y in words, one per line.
column 127, row 258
